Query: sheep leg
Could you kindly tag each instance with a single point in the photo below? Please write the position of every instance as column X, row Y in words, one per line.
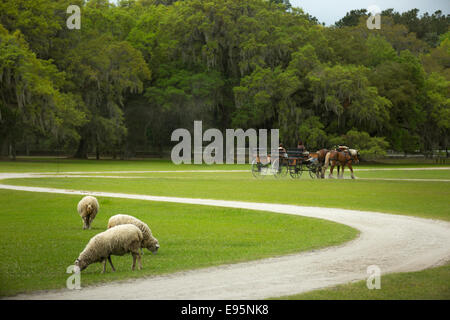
column 140, row 261
column 104, row 266
column 90, row 218
column 84, row 223
column 110, row 262
column 134, row 262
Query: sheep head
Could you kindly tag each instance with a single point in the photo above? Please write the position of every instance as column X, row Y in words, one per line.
column 80, row 265
column 153, row 245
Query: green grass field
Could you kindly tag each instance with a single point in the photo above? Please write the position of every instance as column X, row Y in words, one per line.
column 42, row 164
column 206, row 240
column 41, row 235
column 422, row 199
column 59, row 165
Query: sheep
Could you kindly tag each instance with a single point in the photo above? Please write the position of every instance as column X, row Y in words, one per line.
column 87, row 209
column 149, row 242
column 118, row 241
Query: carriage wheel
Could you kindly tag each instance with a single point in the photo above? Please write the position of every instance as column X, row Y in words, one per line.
column 279, row 170
column 256, row 169
column 313, row 172
column 313, row 169
column 295, row 171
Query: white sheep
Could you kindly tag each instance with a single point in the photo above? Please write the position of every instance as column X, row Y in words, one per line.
column 87, row 209
column 149, row 241
column 120, row 240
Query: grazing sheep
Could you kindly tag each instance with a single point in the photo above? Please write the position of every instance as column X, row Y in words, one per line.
column 149, row 242
column 116, row 241
column 87, row 209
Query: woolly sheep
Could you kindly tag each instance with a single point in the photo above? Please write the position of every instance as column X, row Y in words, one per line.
column 149, row 242
column 118, row 241
column 87, row 209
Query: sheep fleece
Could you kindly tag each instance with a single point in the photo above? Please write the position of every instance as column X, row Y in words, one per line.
column 120, row 219
column 115, row 241
column 83, row 204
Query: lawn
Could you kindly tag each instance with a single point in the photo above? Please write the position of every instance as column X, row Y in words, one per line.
column 404, row 174
column 41, row 235
column 207, row 239
column 422, row 199
column 63, row 165
column 42, row 164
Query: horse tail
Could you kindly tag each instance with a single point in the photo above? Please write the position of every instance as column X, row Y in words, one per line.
column 326, row 164
column 327, row 161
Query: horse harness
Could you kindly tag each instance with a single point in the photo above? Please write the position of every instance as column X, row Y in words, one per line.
column 347, row 155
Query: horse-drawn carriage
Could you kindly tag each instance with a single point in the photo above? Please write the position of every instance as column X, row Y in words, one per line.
column 292, row 161
column 299, row 161
column 296, row 161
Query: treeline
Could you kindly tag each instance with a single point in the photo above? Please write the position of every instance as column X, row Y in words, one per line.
column 138, row 70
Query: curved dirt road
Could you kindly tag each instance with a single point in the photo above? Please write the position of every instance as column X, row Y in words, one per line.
column 394, row 243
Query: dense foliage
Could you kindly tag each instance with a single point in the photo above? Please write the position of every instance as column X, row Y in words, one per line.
column 137, row 70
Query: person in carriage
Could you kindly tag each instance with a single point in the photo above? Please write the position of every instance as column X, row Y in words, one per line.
column 281, row 149
column 300, row 146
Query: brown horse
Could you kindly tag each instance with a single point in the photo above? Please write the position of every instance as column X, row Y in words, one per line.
column 342, row 158
column 322, row 153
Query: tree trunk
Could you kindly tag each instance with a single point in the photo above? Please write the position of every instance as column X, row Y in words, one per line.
column 13, row 150
column 97, row 151
column 27, row 147
column 160, row 150
column 82, row 150
column 4, row 151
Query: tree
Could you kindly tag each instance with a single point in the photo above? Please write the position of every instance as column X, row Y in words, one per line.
column 379, row 50
column 401, row 81
column 31, row 101
column 438, row 59
column 436, row 131
column 344, row 92
column 368, row 147
column 427, row 27
column 137, row 70
column 36, row 19
column 287, row 3
column 312, row 133
column 104, row 71
column 352, row 18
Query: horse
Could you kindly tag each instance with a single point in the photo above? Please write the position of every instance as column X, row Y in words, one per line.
column 343, row 158
column 321, row 155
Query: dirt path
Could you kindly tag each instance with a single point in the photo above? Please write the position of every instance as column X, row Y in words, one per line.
column 394, row 243
column 407, row 179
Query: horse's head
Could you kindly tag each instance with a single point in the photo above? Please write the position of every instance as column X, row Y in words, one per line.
column 354, row 154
